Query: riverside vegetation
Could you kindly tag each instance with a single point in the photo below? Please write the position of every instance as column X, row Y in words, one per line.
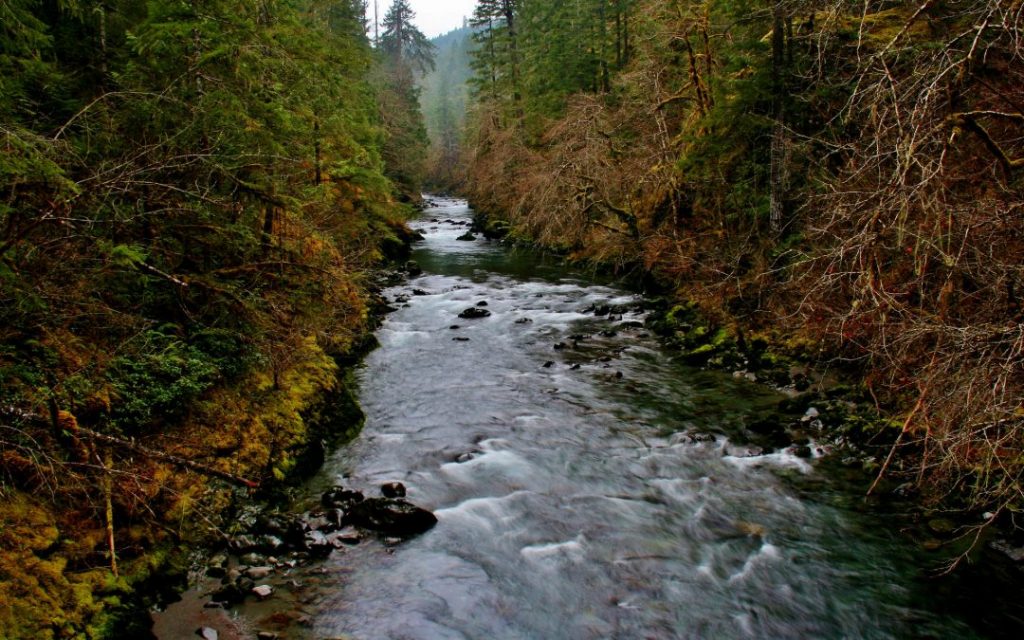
column 818, row 184
column 194, row 194
column 192, row 198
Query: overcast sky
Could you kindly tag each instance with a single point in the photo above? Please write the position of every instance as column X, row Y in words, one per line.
column 434, row 17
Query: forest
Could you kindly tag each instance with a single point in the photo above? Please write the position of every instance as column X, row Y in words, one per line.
column 192, row 195
column 198, row 197
column 840, row 179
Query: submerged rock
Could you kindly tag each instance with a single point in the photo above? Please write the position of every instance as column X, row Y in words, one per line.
column 743, row 451
column 803, row 451
column 391, row 517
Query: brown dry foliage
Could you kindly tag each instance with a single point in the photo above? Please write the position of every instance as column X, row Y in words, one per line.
column 905, row 253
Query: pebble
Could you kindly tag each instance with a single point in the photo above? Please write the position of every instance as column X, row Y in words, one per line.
column 258, row 573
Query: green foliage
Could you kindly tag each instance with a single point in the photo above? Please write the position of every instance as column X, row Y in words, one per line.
column 404, row 51
column 444, row 99
column 188, row 190
column 159, row 382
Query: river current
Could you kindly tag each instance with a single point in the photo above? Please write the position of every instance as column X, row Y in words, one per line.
column 589, row 490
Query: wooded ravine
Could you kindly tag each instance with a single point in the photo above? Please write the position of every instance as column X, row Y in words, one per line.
column 204, row 202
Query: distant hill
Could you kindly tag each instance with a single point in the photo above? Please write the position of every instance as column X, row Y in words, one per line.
column 445, row 93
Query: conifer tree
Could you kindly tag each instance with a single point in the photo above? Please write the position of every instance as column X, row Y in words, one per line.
column 405, row 52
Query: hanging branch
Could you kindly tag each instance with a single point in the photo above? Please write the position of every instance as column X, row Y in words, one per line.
column 168, row 458
column 970, row 122
column 34, row 418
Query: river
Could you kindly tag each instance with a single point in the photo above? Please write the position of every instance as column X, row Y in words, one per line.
column 589, row 490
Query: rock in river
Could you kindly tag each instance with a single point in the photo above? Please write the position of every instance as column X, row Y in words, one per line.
column 391, row 517
column 393, row 490
column 341, row 498
column 474, row 313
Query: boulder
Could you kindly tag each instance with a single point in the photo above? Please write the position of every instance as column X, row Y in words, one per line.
column 241, row 544
column 218, row 566
column 269, row 544
column 259, row 573
column 473, row 313
column 391, row 517
column 318, row 544
column 341, row 498
column 393, row 490
column 251, row 559
column 229, row 594
column 467, row 237
column 263, row 591
column 349, row 536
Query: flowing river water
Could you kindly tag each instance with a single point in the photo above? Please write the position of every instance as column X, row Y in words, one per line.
column 588, row 491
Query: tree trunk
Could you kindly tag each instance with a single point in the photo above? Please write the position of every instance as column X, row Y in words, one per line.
column 513, row 53
column 778, row 149
column 108, row 504
column 318, row 178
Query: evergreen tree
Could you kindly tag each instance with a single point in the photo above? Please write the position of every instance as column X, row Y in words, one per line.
column 405, row 52
column 405, row 43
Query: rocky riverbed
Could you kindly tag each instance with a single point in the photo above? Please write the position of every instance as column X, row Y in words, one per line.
column 582, row 462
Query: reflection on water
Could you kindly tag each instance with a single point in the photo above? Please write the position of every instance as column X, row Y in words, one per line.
column 572, row 501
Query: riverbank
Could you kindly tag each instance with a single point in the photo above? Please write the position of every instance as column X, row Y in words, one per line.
column 70, row 570
column 573, row 364
column 587, row 482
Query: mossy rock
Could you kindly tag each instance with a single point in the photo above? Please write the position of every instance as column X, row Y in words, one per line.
column 496, row 229
column 695, row 337
column 701, row 355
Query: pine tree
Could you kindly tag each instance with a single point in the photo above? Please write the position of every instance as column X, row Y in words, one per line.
column 405, row 52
